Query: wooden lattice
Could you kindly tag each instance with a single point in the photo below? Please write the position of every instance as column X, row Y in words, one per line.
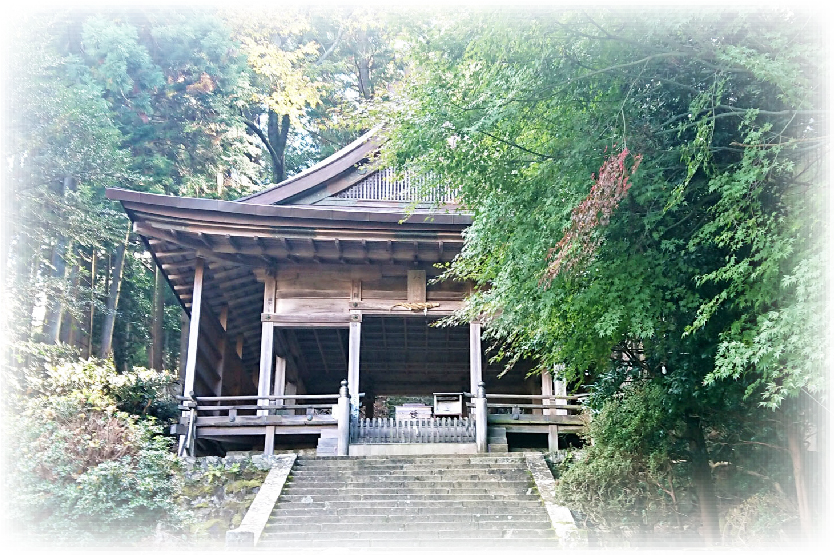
column 384, row 185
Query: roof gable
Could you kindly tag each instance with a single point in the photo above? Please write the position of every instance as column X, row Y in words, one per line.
column 335, row 170
column 349, row 179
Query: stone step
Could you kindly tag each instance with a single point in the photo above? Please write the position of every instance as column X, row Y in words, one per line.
column 302, row 516
column 431, row 460
column 410, row 507
column 327, row 447
column 457, row 545
column 411, row 502
column 434, row 461
column 451, row 456
column 383, row 526
column 407, row 494
column 347, row 472
column 446, row 496
column 410, row 484
column 519, row 479
column 363, row 468
column 449, row 532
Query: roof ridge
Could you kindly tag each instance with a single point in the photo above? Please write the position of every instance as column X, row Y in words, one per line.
column 336, row 156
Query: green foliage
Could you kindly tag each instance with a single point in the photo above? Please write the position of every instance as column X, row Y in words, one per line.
column 705, row 280
column 84, row 468
column 625, row 478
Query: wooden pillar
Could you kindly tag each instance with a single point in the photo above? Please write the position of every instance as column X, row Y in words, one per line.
column 480, row 402
column 475, row 356
column 343, row 422
column 184, row 329
column 265, row 368
column 354, row 366
column 547, row 389
column 193, row 333
column 291, row 389
column 560, row 389
column 279, row 387
column 222, row 347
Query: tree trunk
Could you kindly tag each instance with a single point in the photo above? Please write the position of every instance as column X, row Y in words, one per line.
column 158, row 315
column 113, row 299
column 277, row 135
column 55, row 307
column 364, row 67
column 795, row 434
column 69, row 325
column 92, row 303
column 703, row 481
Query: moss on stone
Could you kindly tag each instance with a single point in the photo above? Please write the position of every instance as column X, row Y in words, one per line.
column 239, row 485
column 204, row 527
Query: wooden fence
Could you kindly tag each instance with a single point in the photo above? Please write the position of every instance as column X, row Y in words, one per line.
column 424, row 430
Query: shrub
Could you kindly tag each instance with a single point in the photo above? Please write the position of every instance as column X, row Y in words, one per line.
column 84, row 469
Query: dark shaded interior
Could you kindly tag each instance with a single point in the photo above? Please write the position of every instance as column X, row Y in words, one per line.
column 398, row 356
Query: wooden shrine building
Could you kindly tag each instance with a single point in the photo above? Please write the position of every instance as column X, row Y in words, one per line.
column 324, row 278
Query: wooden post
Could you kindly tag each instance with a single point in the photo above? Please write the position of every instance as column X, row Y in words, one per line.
column 279, row 386
column 559, row 389
column 343, row 420
column 265, row 368
column 480, row 419
column 547, row 389
column 184, row 329
column 553, row 438
column 193, row 333
column 475, row 356
column 354, row 366
column 221, row 365
column 291, row 389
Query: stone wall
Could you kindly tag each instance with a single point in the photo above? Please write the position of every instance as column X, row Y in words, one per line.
column 217, row 491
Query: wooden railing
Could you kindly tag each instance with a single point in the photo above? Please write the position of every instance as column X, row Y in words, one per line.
column 234, row 405
column 523, row 404
column 254, row 414
column 423, row 430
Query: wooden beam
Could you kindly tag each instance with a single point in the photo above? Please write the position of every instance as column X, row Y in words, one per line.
column 321, row 352
column 307, row 320
column 341, row 347
column 206, row 240
column 224, row 315
column 296, row 350
column 416, row 286
column 169, row 254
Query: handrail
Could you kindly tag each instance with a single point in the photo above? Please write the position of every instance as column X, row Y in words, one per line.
column 253, row 407
column 258, row 397
column 533, row 406
column 552, row 397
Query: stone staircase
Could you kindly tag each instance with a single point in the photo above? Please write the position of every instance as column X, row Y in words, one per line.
column 444, row 502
